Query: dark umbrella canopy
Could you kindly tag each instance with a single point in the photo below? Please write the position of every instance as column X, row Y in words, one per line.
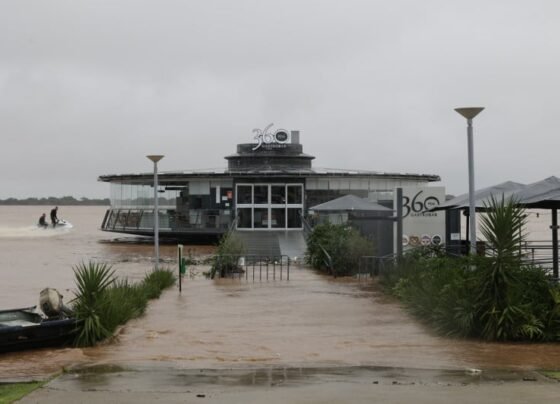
column 482, row 196
column 349, row 203
column 543, row 194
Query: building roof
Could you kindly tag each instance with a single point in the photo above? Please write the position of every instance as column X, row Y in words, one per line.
column 482, row 196
column 349, row 203
column 173, row 177
column 543, row 194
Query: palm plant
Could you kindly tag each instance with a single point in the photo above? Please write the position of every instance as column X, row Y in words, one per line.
column 92, row 281
column 503, row 229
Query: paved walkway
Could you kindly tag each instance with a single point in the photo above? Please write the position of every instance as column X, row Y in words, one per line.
column 312, row 339
column 297, row 385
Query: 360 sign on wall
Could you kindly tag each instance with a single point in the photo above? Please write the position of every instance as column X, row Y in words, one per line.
column 420, row 226
column 420, row 203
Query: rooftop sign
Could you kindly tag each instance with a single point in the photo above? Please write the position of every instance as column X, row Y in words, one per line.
column 268, row 138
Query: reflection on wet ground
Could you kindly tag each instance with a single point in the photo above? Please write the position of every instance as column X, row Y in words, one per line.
column 116, row 378
column 312, row 320
column 309, row 321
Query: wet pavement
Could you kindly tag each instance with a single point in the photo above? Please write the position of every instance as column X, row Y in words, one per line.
column 296, row 385
column 310, row 339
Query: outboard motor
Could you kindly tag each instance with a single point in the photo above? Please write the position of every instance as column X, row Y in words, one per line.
column 51, row 303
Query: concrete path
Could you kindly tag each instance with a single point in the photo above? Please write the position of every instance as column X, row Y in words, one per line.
column 312, row 339
column 296, row 385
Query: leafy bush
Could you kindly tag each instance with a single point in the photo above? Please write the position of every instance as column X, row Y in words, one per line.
column 336, row 249
column 156, row 281
column 226, row 260
column 103, row 303
column 392, row 271
column 495, row 297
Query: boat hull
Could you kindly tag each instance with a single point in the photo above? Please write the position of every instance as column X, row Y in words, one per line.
column 27, row 330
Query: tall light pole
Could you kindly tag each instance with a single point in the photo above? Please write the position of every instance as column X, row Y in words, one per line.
column 470, row 113
column 155, row 158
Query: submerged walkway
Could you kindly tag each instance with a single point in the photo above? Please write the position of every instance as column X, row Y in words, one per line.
column 235, row 340
column 311, row 320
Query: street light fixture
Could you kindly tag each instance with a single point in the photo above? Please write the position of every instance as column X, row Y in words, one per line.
column 155, row 158
column 470, row 113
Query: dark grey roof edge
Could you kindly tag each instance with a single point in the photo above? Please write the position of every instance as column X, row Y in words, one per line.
column 251, row 173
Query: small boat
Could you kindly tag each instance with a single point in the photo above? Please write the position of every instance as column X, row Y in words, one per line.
column 26, row 328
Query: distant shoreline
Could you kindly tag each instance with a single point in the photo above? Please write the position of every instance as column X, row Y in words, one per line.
column 64, row 201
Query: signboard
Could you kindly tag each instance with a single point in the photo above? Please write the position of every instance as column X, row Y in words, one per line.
column 420, row 226
column 267, row 139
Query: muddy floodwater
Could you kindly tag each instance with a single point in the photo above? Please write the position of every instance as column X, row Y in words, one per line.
column 309, row 321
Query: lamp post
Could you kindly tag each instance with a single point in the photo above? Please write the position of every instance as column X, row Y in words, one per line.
column 470, row 113
column 155, row 158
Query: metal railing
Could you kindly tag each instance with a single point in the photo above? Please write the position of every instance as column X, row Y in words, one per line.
column 137, row 219
column 371, row 265
column 307, row 227
column 252, row 267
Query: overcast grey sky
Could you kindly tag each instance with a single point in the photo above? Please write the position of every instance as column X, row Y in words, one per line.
column 90, row 87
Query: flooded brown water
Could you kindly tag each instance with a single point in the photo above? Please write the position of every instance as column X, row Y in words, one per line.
column 310, row 320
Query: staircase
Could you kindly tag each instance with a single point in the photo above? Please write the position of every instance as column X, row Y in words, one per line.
column 273, row 243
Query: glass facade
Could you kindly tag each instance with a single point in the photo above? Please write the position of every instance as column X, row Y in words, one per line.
column 265, row 206
column 140, row 196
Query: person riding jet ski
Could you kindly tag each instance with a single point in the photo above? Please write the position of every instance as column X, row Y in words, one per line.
column 54, row 218
column 43, row 221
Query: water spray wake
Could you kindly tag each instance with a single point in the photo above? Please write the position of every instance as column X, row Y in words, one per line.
column 32, row 231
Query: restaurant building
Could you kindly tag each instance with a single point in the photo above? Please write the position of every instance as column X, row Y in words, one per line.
column 268, row 186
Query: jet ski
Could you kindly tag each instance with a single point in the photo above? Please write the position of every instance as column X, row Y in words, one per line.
column 60, row 224
column 63, row 224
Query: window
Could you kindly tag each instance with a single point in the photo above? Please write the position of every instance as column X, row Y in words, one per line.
column 278, row 194
column 278, row 218
column 295, row 194
column 244, row 219
column 294, row 218
column 261, row 218
column 261, row 194
column 244, row 194
column 269, row 206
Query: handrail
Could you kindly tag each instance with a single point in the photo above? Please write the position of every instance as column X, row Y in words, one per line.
column 328, row 261
column 250, row 266
column 307, row 228
column 233, row 225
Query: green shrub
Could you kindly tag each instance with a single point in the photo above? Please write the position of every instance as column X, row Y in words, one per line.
column 435, row 291
column 496, row 297
column 103, row 303
column 123, row 302
column 157, row 280
column 226, row 260
column 392, row 271
column 336, row 249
